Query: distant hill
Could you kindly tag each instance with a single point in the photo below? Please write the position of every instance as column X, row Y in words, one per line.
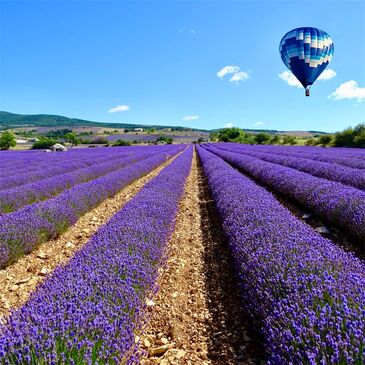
column 11, row 120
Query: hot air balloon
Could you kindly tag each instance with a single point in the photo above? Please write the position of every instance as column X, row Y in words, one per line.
column 306, row 52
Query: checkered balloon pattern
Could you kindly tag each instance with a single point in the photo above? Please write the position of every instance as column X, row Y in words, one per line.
column 306, row 52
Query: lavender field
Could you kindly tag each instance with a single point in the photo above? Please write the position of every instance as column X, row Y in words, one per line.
column 218, row 253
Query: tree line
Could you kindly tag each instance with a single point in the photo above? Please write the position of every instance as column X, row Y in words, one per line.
column 349, row 137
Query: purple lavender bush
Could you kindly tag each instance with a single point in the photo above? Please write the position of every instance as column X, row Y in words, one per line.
column 15, row 163
column 89, row 311
column 338, row 204
column 23, row 230
column 329, row 171
column 16, row 198
column 352, row 159
column 306, row 294
column 53, row 168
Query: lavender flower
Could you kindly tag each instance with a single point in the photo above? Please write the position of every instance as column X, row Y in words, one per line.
column 338, row 204
column 88, row 311
column 306, row 293
column 329, row 171
column 34, row 224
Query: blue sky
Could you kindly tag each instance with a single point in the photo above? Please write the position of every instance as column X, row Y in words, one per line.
column 157, row 62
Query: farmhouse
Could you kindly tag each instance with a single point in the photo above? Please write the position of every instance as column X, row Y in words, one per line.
column 58, row 148
column 20, row 141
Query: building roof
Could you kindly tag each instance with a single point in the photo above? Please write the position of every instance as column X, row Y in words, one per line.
column 58, row 146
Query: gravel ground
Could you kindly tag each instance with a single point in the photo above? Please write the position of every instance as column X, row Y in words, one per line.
column 197, row 316
column 20, row 279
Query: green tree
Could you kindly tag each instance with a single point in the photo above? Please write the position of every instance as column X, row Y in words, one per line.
column 213, row 136
column 289, row 140
column 7, row 140
column 58, row 133
column 324, row 140
column 344, row 138
column 359, row 132
column 72, row 138
column 262, row 138
column 229, row 134
column 275, row 139
column 164, row 138
column 246, row 138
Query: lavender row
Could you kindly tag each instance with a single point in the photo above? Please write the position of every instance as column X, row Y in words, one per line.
column 40, row 161
column 306, row 293
column 20, row 178
column 330, row 171
column 340, row 205
column 351, row 153
column 23, row 230
column 53, row 169
column 32, row 161
column 18, row 197
column 36, row 161
column 323, row 155
column 88, row 311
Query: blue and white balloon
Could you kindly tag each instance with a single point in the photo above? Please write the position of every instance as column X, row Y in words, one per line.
column 306, row 52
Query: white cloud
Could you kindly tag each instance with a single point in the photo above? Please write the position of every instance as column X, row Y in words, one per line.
column 187, row 30
column 239, row 76
column 118, row 109
column 258, row 124
column 327, row 74
column 191, row 117
column 349, row 90
column 229, row 125
column 227, row 70
column 291, row 80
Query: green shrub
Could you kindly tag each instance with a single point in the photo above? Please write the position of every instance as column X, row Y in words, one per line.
column 164, row 138
column 275, row 139
column 44, row 143
column 289, row 140
column 229, row 134
column 121, row 142
column 351, row 137
column 324, row 140
column 310, row 142
column 7, row 140
column 262, row 138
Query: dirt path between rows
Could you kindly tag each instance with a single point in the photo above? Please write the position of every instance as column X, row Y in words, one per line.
column 21, row 278
column 196, row 316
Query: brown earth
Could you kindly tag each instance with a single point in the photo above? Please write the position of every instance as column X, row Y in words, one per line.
column 21, row 278
column 197, row 316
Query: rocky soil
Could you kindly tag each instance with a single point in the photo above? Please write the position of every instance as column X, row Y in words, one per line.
column 197, row 315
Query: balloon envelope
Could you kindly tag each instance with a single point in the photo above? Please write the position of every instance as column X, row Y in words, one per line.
column 306, row 52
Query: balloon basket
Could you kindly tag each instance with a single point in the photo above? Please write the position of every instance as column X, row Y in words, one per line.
column 307, row 93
